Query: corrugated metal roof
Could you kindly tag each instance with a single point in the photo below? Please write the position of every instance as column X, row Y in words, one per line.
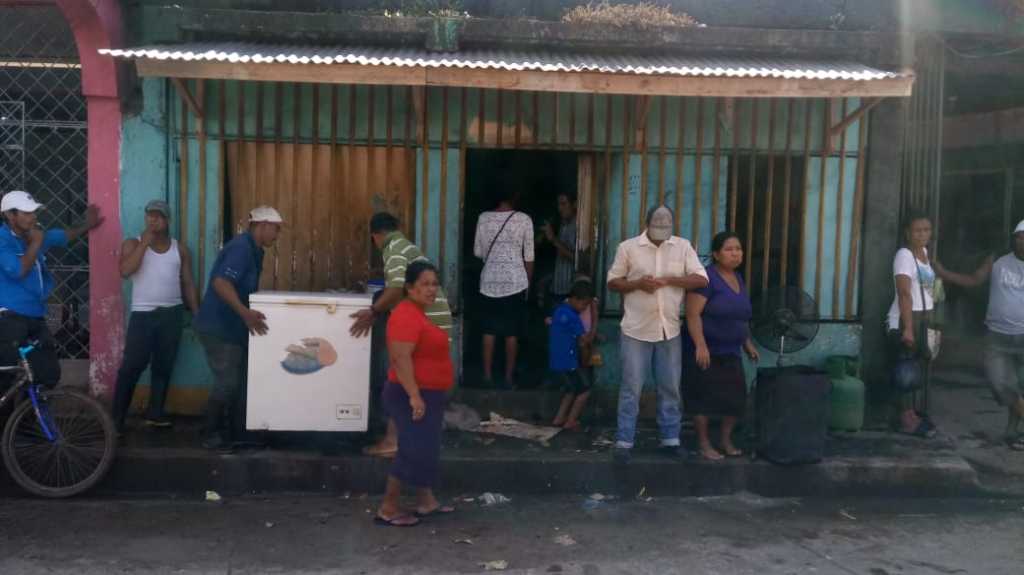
column 512, row 60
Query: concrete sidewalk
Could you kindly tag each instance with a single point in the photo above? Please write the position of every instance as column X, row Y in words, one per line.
column 965, row 411
column 869, row 463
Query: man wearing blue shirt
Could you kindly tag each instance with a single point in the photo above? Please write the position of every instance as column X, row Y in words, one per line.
column 225, row 322
column 26, row 283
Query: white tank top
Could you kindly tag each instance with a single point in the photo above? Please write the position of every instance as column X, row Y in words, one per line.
column 157, row 282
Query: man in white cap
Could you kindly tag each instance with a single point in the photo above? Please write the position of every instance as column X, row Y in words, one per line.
column 160, row 268
column 26, row 283
column 652, row 272
column 1004, row 343
column 225, row 322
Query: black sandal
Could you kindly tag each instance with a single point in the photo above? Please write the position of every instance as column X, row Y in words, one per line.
column 925, row 430
column 397, row 521
column 439, row 510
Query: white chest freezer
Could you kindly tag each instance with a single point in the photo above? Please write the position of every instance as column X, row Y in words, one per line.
column 307, row 373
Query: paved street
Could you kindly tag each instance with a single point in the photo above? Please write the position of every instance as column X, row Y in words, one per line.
column 737, row 534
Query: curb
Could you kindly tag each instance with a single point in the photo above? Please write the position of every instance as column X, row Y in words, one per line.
column 194, row 471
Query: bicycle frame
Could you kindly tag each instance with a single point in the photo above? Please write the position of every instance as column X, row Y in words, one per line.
column 26, row 378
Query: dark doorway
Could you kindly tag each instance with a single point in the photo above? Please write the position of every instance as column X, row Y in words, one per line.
column 540, row 175
column 976, row 216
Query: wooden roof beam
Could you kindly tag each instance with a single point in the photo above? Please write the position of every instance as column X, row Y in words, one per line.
column 579, row 82
column 186, row 94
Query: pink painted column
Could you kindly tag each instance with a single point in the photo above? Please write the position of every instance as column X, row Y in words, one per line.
column 97, row 24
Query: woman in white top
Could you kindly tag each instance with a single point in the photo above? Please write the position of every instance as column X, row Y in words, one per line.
column 910, row 311
column 504, row 241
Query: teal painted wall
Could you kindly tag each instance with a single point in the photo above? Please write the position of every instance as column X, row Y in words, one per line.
column 150, row 160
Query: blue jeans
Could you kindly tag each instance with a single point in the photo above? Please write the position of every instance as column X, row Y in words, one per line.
column 637, row 359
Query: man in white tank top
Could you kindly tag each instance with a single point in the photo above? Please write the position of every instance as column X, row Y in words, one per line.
column 160, row 269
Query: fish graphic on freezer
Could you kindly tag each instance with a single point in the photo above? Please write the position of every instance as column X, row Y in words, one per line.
column 308, row 373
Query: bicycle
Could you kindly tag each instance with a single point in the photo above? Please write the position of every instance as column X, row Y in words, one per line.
column 57, row 442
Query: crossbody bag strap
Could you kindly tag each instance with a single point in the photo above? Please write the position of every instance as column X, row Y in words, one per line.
column 920, row 283
column 496, row 236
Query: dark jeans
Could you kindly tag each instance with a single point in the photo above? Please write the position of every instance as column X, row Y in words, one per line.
column 152, row 341
column 15, row 330
column 229, row 363
column 378, row 369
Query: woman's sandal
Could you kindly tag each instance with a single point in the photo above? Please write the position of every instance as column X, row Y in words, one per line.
column 711, row 454
column 572, row 427
column 925, row 430
column 1016, row 443
column 439, row 510
column 398, row 521
column 378, row 451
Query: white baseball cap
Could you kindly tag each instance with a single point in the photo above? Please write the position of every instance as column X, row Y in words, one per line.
column 1020, row 227
column 265, row 214
column 19, row 200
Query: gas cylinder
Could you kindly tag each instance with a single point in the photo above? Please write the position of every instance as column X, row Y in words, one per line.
column 848, row 393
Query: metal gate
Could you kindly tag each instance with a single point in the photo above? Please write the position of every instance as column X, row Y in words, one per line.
column 43, row 150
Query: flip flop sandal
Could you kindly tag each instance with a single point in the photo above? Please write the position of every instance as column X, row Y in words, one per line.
column 1015, row 443
column 374, row 451
column 924, row 430
column 440, row 510
column 399, row 521
column 706, row 457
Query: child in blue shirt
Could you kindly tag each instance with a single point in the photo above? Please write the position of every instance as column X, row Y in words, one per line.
column 565, row 339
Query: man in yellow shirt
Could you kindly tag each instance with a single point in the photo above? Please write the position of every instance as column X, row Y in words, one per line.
column 652, row 272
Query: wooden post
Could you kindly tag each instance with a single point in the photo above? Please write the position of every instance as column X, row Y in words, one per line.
column 752, row 197
column 769, row 196
column 698, row 175
column 858, row 216
column 201, row 129
column 803, row 193
column 716, row 175
column 787, row 184
column 680, row 164
column 183, row 174
column 444, row 182
column 662, row 129
column 822, row 192
column 332, row 187
column 625, row 169
column 837, row 278
column 734, row 191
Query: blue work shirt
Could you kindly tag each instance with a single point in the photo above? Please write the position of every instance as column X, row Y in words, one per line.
column 26, row 295
column 240, row 262
column 566, row 328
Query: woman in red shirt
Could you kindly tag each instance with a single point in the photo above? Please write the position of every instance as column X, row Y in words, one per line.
column 421, row 373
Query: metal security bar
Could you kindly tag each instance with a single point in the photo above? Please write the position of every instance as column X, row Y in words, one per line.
column 43, row 150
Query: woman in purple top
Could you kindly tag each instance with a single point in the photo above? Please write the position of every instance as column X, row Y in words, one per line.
column 717, row 332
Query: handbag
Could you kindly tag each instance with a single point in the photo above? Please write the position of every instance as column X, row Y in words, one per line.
column 931, row 336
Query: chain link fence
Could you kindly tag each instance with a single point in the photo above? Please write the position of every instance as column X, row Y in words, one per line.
column 43, row 145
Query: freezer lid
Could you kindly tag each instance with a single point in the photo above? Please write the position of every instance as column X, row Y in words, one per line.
column 310, row 298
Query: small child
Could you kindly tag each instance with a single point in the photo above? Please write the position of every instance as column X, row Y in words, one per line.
column 567, row 340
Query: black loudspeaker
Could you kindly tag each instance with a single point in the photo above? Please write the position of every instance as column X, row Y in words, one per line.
column 792, row 407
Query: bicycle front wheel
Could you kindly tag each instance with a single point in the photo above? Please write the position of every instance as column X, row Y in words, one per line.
column 70, row 454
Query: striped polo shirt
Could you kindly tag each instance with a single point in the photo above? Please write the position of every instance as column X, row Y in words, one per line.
column 399, row 252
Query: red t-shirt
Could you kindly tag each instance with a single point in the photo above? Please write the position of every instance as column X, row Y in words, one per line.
column 431, row 362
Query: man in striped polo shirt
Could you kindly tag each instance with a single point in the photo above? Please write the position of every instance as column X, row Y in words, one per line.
column 398, row 252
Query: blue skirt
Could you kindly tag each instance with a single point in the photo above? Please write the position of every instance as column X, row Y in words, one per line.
column 419, row 442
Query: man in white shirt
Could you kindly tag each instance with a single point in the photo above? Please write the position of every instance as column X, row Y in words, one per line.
column 1004, row 343
column 160, row 269
column 652, row 272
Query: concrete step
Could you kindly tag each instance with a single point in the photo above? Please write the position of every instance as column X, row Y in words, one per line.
column 869, row 463
column 194, row 471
